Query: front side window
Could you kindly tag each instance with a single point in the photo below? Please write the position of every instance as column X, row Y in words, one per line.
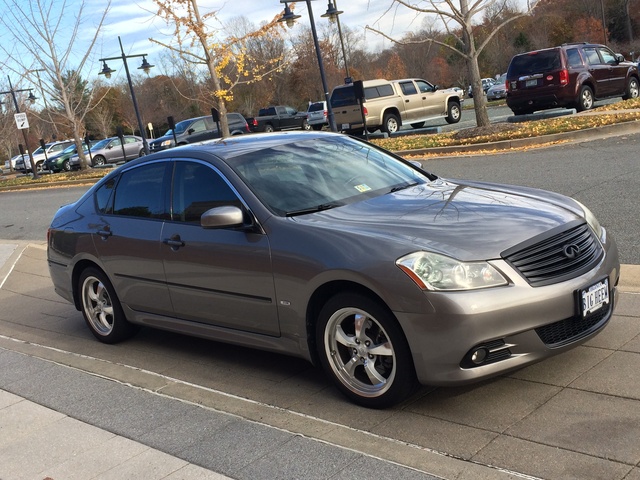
column 198, row 126
column 196, row 189
column 607, row 56
column 592, row 56
column 140, row 192
column 424, row 87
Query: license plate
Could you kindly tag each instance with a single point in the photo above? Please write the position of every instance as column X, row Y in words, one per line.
column 531, row 83
column 345, row 126
column 594, row 297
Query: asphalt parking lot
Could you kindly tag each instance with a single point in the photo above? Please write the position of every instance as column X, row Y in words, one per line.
column 576, row 415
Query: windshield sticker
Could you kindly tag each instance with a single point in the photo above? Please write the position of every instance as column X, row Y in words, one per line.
column 362, row 188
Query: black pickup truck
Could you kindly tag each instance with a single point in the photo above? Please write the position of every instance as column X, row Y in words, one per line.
column 278, row 117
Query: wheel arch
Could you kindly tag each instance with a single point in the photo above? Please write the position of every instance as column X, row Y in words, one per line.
column 78, row 268
column 321, row 295
column 393, row 110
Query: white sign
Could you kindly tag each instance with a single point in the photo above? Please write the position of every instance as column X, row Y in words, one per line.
column 21, row 120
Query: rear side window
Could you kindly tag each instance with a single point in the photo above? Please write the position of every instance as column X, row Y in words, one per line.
column 573, row 57
column 408, row 88
column 385, row 90
column 140, row 192
column 535, row 62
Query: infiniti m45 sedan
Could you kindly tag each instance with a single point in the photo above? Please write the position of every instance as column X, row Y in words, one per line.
column 326, row 247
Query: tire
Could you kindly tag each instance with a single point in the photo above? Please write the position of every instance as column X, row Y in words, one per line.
column 372, row 367
column 391, row 123
column 585, row 100
column 98, row 161
column 39, row 166
column 317, row 126
column 268, row 128
column 65, row 166
column 453, row 112
column 101, row 308
column 305, row 125
column 633, row 89
column 417, row 125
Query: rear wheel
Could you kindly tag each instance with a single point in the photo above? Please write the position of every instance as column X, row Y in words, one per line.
column 101, row 308
column 268, row 128
column 453, row 112
column 98, row 161
column 585, row 100
column 633, row 89
column 391, row 123
column 363, row 349
column 305, row 125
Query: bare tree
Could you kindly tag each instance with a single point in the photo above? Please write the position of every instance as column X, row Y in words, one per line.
column 41, row 40
column 458, row 20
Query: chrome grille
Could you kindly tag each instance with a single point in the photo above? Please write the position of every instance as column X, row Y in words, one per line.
column 556, row 256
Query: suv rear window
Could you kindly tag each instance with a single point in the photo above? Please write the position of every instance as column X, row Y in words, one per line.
column 538, row 62
column 344, row 96
column 316, row 107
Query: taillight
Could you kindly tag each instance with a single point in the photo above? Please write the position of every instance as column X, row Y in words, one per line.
column 564, row 77
column 364, row 109
column 254, row 122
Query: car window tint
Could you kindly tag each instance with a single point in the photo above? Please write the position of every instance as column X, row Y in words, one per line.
column 198, row 126
column 592, row 56
column 408, row 88
column 103, row 196
column 607, row 56
column 316, row 107
column 196, row 189
column 140, row 192
column 573, row 57
column 536, row 62
column 343, row 96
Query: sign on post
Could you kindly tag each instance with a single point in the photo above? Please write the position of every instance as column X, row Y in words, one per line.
column 21, row 120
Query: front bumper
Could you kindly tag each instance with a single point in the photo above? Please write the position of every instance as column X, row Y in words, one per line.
column 510, row 322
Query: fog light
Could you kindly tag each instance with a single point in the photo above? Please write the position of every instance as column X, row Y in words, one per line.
column 479, row 356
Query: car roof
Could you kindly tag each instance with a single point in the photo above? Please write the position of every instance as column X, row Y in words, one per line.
column 235, row 145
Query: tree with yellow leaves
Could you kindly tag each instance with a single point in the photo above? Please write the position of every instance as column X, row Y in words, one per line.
column 226, row 59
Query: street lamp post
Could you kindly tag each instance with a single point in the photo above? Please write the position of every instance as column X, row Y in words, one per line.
column 333, row 14
column 289, row 17
column 146, row 66
column 32, row 99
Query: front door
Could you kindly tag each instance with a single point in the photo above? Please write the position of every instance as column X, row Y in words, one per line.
column 221, row 277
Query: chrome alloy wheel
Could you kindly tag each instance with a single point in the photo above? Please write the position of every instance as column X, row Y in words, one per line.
column 360, row 353
column 97, row 306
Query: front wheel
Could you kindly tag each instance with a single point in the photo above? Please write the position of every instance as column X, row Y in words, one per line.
column 453, row 112
column 363, row 349
column 101, row 308
column 65, row 166
column 391, row 123
column 633, row 89
column 268, row 128
column 585, row 100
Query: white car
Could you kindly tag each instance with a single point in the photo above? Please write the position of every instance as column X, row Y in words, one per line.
column 317, row 115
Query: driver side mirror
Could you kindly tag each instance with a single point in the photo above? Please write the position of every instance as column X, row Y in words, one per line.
column 190, row 131
column 620, row 57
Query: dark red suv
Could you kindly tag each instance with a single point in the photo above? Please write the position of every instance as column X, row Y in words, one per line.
column 571, row 76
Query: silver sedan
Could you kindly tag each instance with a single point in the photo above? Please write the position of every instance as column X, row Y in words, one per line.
column 321, row 246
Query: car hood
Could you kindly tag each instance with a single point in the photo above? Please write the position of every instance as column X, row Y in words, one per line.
column 468, row 221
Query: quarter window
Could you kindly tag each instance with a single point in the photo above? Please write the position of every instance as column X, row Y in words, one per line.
column 573, row 57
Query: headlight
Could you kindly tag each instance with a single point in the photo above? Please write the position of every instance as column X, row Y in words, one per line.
column 431, row 271
column 591, row 220
column 166, row 143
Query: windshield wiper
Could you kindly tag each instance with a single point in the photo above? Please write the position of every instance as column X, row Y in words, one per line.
column 318, row 208
column 402, row 187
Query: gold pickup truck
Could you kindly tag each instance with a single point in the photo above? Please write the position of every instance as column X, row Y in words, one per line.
column 388, row 104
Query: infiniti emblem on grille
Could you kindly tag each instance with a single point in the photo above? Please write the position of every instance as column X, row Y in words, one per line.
column 571, row 251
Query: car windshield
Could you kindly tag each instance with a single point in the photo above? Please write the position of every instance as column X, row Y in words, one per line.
column 312, row 175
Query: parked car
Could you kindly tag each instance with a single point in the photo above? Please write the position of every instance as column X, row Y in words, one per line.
column 328, row 248
column 40, row 155
column 198, row 129
column 486, row 85
column 13, row 161
column 499, row 89
column 317, row 115
column 61, row 161
column 110, row 150
column 572, row 75
column 389, row 104
column 278, row 118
